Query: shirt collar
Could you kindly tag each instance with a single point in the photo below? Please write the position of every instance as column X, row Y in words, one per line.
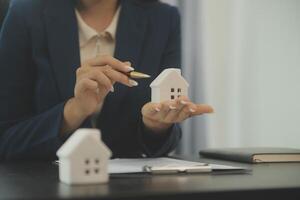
column 86, row 32
column 112, row 28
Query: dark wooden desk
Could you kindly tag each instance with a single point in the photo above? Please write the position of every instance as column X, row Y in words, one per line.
column 38, row 180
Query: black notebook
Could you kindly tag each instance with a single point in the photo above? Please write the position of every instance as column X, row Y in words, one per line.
column 254, row 155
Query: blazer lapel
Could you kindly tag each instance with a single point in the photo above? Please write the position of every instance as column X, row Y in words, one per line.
column 129, row 38
column 63, row 41
column 63, row 44
column 130, row 32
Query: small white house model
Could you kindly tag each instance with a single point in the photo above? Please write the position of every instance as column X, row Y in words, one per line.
column 169, row 85
column 83, row 158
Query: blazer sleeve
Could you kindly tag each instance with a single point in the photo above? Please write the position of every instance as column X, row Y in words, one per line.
column 155, row 145
column 24, row 133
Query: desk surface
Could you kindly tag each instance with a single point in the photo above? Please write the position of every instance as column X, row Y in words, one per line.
column 38, row 180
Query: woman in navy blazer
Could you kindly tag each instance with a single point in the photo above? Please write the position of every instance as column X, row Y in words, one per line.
column 39, row 58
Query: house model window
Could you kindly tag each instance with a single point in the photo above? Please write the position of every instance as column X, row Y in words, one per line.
column 169, row 85
column 174, row 94
column 92, row 167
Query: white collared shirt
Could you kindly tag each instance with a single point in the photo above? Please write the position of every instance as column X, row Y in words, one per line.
column 92, row 43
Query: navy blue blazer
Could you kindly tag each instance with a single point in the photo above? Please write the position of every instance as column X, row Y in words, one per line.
column 39, row 54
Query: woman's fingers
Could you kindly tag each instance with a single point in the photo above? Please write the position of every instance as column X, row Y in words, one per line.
column 181, row 109
column 87, row 84
column 107, row 76
column 202, row 108
column 175, row 111
column 95, row 78
column 160, row 111
column 192, row 109
column 172, row 108
column 151, row 109
column 166, row 107
column 110, row 61
column 166, row 111
column 116, row 76
column 128, row 63
column 114, row 69
column 100, row 78
column 179, row 104
column 185, row 112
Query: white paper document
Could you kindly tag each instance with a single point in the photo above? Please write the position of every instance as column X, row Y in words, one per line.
column 120, row 166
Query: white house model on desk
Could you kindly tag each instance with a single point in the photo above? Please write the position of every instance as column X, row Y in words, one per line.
column 83, row 158
column 169, row 85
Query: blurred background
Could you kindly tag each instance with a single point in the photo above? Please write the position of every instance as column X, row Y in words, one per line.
column 242, row 57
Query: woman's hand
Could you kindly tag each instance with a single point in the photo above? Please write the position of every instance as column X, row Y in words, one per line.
column 158, row 117
column 94, row 80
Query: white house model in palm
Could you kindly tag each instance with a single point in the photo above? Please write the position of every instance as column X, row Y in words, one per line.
column 169, row 85
column 83, row 158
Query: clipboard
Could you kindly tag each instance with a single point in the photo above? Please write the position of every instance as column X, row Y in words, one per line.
column 203, row 168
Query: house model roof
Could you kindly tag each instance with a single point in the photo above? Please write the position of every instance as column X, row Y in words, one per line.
column 166, row 73
column 80, row 136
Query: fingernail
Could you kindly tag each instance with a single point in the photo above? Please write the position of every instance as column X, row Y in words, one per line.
column 129, row 69
column 157, row 109
column 192, row 110
column 133, row 83
column 172, row 107
column 112, row 89
column 183, row 102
